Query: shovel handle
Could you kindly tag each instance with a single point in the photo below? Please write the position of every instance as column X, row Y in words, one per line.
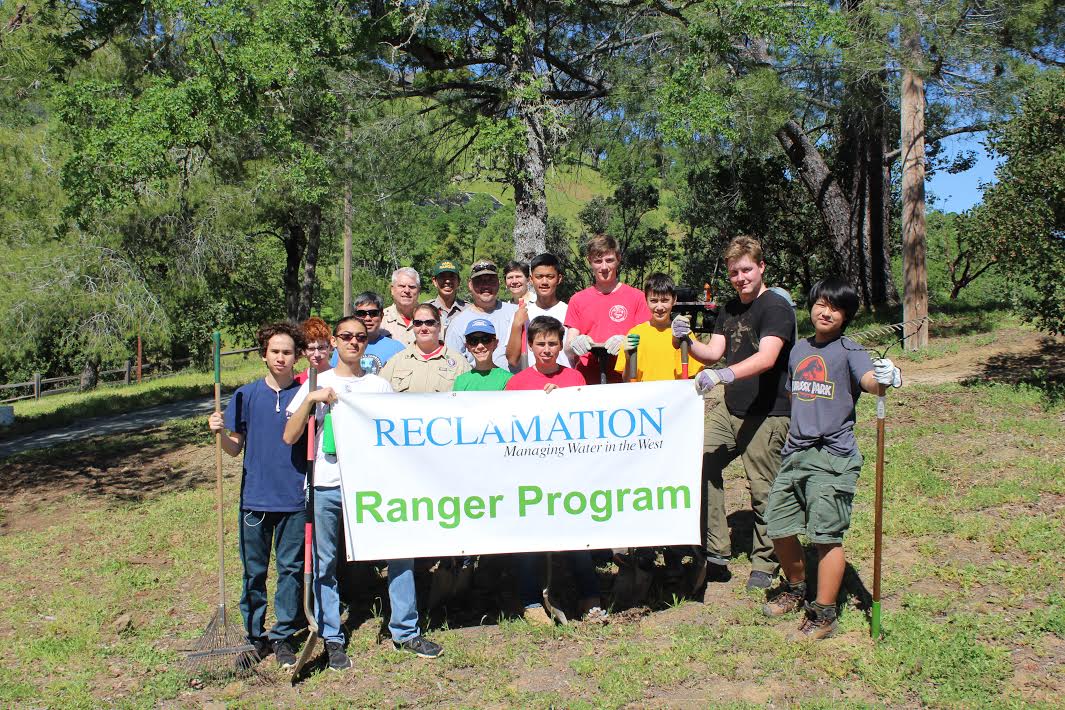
column 878, row 508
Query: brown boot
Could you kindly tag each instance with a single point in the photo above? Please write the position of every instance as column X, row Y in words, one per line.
column 787, row 600
column 819, row 622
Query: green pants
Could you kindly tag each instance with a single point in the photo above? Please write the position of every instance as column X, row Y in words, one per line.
column 757, row 440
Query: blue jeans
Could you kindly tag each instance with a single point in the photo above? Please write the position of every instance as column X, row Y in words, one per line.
column 328, row 546
column 530, row 566
column 403, row 624
column 259, row 531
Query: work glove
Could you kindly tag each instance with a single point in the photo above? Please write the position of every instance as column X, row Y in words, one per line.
column 581, row 345
column 632, row 341
column 886, row 373
column 706, row 380
column 613, row 344
column 682, row 327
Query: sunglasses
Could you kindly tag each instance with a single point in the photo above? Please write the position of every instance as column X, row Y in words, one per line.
column 367, row 313
column 472, row 340
column 419, row 323
column 359, row 337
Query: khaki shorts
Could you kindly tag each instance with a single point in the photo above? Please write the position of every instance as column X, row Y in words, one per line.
column 812, row 495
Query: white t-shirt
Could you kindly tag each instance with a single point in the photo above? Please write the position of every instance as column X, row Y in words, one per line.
column 556, row 311
column 326, row 468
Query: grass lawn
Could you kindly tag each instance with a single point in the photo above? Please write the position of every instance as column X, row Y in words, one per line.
column 107, row 568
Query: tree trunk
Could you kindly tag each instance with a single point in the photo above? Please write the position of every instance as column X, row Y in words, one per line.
column 90, row 374
column 825, row 191
column 914, row 266
column 294, row 241
column 348, row 216
column 866, row 182
column 310, row 262
column 528, row 172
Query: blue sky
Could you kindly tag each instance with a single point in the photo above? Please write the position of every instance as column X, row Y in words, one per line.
column 957, row 193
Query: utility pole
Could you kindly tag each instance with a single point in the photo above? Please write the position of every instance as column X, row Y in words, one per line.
column 347, row 220
column 914, row 248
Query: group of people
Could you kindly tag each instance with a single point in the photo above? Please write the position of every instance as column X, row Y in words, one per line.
column 787, row 411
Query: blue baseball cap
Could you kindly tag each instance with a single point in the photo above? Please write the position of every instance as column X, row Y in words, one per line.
column 480, row 325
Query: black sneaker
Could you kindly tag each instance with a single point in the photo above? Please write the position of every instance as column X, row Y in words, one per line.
column 420, row 646
column 759, row 580
column 338, row 660
column 260, row 649
column 717, row 573
column 286, row 657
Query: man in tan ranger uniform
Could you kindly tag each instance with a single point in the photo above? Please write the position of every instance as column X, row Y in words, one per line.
column 446, row 280
column 426, row 365
column 406, row 286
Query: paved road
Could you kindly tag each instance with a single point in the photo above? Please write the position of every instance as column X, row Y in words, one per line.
column 112, row 424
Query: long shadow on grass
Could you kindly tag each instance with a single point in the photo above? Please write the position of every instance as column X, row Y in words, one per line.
column 1042, row 369
column 126, row 467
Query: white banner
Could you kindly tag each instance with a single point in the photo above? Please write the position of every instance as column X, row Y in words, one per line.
column 467, row 473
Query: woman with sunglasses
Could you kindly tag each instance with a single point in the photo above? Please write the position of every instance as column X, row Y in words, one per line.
column 427, row 365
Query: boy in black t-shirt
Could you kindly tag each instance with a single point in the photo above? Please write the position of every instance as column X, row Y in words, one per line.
column 754, row 333
column 813, row 491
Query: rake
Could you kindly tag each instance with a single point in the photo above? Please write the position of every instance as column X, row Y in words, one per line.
column 223, row 647
column 861, row 339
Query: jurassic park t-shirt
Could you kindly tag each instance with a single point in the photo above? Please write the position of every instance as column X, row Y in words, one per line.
column 825, row 383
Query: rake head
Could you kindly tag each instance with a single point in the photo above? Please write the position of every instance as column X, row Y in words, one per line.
column 222, row 650
column 894, row 334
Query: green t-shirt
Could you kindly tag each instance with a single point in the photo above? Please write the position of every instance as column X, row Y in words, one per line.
column 477, row 381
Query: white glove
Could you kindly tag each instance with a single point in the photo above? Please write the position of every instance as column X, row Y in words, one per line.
column 613, row 344
column 886, row 373
column 706, row 380
column 581, row 345
column 682, row 327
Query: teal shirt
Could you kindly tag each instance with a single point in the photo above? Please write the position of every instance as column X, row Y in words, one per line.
column 476, row 381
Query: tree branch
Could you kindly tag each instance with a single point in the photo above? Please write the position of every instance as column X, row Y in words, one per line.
column 891, row 156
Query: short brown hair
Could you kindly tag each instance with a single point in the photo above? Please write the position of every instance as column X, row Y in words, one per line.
column 281, row 328
column 601, row 244
column 315, row 329
column 742, row 246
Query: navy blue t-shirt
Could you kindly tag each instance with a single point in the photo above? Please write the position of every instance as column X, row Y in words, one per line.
column 274, row 472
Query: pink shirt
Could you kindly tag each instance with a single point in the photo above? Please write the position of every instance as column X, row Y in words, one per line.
column 532, row 379
column 601, row 315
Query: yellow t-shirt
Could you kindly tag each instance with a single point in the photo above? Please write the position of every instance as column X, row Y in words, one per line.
column 656, row 358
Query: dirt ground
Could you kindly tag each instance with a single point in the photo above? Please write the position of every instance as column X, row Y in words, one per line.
column 1013, row 357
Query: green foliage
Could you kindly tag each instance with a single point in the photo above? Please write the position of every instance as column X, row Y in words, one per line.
column 1021, row 221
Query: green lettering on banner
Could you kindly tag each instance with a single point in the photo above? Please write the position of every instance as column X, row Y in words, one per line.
column 527, row 496
column 415, row 503
column 600, row 503
column 643, row 499
column 449, row 508
column 622, row 492
column 367, row 501
column 673, row 491
column 473, row 507
column 582, row 503
column 398, row 512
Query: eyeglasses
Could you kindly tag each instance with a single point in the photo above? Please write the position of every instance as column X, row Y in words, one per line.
column 419, row 323
column 367, row 313
column 473, row 340
column 319, row 348
column 359, row 337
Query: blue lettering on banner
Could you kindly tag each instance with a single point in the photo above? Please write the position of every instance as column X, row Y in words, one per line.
column 578, row 425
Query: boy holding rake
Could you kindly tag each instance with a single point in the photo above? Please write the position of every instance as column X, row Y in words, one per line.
column 813, row 492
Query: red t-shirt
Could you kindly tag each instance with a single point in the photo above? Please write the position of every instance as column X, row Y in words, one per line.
column 600, row 315
column 532, row 379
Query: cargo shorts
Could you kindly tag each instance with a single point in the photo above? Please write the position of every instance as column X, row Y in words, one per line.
column 812, row 495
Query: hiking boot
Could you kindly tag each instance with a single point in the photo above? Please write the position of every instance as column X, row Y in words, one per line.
column 537, row 616
column 338, row 660
column 420, row 647
column 759, row 580
column 286, row 657
column 788, row 600
column 817, row 623
column 717, row 573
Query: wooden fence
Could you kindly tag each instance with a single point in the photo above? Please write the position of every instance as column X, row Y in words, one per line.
column 128, row 374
